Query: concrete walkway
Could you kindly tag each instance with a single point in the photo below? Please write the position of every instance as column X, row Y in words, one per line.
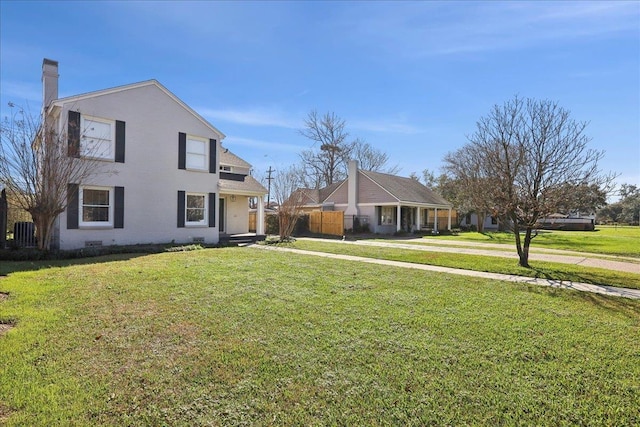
column 562, row 257
column 584, row 287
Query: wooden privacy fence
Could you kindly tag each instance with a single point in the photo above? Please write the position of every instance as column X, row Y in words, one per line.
column 328, row 222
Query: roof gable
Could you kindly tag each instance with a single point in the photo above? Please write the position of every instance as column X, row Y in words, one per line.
column 133, row 86
column 329, row 190
column 405, row 189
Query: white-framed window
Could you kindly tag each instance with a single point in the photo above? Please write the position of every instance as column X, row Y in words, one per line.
column 386, row 215
column 196, row 209
column 96, row 206
column 197, row 153
column 97, row 138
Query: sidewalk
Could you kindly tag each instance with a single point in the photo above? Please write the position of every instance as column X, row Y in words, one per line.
column 584, row 287
column 487, row 250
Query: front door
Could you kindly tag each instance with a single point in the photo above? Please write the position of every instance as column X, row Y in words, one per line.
column 221, row 218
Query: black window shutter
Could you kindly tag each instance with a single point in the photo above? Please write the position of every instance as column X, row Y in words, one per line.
column 72, row 206
column 120, row 133
column 118, row 207
column 212, row 209
column 73, row 134
column 181, row 208
column 212, row 156
column 379, row 214
column 182, row 150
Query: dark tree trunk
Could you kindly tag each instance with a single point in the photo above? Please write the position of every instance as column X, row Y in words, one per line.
column 524, row 256
column 523, row 249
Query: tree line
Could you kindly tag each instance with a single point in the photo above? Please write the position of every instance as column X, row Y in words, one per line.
column 527, row 159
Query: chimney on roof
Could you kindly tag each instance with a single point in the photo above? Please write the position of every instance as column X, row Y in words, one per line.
column 352, row 188
column 49, row 82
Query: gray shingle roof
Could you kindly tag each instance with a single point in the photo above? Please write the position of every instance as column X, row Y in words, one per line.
column 326, row 191
column 406, row 189
column 249, row 185
column 227, row 158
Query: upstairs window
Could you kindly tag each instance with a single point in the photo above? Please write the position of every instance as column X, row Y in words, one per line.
column 97, row 138
column 197, row 153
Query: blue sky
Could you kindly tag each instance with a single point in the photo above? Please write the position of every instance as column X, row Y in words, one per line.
column 410, row 78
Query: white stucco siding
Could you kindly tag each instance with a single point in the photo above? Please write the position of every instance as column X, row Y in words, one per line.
column 150, row 174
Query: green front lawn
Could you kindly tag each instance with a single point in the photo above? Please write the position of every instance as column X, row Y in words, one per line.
column 610, row 240
column 540, row 269
column 239, row 336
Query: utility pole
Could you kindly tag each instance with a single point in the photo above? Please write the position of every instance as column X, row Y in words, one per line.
column 269, row 178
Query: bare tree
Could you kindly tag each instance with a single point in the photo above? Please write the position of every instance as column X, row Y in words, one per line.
column 429, row 178
column 370, row 158
column 290, row 197
column 627, row 209
column 414, row 176
column 464, row 184
column 36, row 166
column 526, row 156
column 329, row 164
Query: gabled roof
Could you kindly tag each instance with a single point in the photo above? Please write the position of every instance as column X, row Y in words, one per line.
column 325, row 192
column 227, row 158
column 312, row 195
column 58, row 102
column 249, row 186
column 405, row 189
column 318, row 196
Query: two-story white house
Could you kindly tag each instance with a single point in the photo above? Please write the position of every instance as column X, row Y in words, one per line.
column 169, row 179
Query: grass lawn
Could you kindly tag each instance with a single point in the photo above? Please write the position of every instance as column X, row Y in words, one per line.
column 540, row 269
column 609, row 240
column 238, row 336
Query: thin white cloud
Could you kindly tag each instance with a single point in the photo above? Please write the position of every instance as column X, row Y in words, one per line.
column 257, row 144
column 20, row 92
column 385, row 125
column 252, row 117
column 423, row 29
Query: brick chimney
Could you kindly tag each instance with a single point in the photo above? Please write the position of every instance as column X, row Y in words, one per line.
column 49, row 82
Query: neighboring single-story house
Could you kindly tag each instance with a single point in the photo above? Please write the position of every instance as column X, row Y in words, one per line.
column 557, row 221
column 571, row 222
column 490, row 223
column 387, row 203
column 169, row 177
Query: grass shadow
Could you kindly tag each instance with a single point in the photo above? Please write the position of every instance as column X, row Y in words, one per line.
column 591, row 278
column 9, row 267
column 626, row 307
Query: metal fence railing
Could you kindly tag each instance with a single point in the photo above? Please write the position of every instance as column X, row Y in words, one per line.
column 16, row 226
